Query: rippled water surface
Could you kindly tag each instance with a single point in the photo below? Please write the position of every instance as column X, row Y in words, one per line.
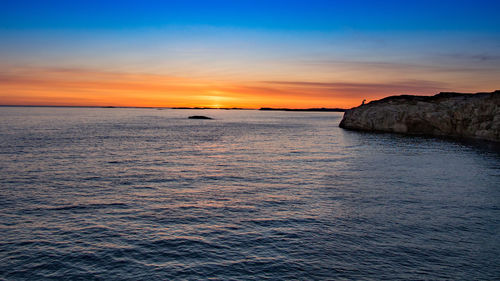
column 144, row 194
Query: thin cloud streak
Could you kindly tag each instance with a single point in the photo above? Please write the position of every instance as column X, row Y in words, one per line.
column 439, row 65
column 409, row 86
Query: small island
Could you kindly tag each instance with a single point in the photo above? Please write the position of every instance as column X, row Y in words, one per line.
column 200, row 117
column 445, row 114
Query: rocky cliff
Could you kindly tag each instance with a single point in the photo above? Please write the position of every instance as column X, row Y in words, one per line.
column 445, row 114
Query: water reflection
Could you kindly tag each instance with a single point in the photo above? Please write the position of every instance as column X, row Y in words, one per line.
column 130, row 193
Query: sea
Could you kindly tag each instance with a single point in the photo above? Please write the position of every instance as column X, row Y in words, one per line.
column 148, row 194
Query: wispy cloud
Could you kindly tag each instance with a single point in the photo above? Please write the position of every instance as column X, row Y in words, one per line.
column 355, row 89
column 440, row 63
column 472, row 57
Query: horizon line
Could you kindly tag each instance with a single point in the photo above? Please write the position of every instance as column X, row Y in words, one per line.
column 176, row 107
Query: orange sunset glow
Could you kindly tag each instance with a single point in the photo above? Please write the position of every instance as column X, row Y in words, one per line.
column 78, row 87
column 70, row 87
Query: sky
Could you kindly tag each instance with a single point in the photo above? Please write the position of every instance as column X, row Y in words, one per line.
column 250, row 54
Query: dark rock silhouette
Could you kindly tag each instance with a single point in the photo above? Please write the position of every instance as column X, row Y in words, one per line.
column 445, row 114
column 200, row 117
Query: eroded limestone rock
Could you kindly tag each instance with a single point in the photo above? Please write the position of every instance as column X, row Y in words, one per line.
column 445, row 114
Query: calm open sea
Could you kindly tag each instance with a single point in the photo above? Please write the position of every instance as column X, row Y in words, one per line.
column 145, row 194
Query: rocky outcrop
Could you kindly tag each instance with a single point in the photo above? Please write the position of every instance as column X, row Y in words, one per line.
column 445, row 114
column 200, row 117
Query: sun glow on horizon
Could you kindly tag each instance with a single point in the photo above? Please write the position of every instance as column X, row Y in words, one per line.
column 83, row 87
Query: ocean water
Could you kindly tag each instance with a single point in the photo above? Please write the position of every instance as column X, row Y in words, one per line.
column 145, row 194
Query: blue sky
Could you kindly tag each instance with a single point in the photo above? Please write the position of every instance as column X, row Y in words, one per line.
column 316, row 15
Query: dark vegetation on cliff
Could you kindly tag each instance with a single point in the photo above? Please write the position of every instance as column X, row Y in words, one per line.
column 442, row 95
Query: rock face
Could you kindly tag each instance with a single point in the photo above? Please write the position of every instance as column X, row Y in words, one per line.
column 445, row 114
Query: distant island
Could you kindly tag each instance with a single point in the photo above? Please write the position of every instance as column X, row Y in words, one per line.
column 445, row 114
column 185, row 107
column 304, row 109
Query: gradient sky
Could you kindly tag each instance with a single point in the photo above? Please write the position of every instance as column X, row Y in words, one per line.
column 244, row 53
